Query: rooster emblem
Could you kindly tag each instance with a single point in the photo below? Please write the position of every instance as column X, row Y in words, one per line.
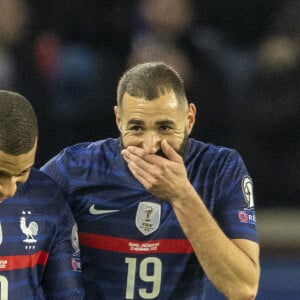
column 30, row 231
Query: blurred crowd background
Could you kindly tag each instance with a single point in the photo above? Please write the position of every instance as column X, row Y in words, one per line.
column 240, row 61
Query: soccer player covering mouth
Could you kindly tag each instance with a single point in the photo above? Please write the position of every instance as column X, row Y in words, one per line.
column 39, row 256
column 158, row 212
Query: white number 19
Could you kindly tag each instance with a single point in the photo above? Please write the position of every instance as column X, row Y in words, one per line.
column 154, row 278
column 3, row 288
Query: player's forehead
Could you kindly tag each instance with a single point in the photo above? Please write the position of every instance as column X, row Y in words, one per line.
column 15, row 164
column 163, row 108
column 158, row 122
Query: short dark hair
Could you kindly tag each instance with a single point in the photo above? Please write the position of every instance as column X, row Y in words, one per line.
column 149, row 81
column 18, row 124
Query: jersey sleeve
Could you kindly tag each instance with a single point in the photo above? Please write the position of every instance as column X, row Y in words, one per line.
column 235, row 210
column 62, row 276
column 57, row 169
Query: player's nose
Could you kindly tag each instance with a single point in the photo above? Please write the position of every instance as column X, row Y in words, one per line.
column 8, row 187
column 151, row 142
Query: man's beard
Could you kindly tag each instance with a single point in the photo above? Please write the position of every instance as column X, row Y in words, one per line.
column 182, row 151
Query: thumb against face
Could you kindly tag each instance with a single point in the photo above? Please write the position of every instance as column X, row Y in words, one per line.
column 169, row 151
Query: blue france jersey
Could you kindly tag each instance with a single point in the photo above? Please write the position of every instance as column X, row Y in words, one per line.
column 39, row 258
column 132, row 246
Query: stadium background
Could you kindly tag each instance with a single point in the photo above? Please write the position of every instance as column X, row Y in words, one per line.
column 240, row 61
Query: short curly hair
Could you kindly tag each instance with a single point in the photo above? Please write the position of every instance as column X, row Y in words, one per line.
column 18, row 124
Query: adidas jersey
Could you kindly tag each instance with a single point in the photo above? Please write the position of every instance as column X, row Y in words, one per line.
column 132, row 246
column 37, row 231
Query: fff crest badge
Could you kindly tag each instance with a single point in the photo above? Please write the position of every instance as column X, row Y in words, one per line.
column 147, row 218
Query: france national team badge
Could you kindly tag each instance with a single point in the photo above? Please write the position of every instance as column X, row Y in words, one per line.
column 29, row 229
column 147, row 218
column 247, row 187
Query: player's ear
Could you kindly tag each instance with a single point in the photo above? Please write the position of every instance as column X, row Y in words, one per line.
column 117, row 116
column 191, row 117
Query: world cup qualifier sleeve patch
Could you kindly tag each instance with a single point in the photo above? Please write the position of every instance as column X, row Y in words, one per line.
column 247, row 216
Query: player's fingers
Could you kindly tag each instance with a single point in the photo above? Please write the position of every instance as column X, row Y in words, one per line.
column 132, row 156
column 140, row 156
column 170, row 152
column 141, row 174
column 135, row 151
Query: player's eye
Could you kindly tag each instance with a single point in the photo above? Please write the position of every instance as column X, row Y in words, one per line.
column 23, row 173
column 165, row 128
column 136, row 128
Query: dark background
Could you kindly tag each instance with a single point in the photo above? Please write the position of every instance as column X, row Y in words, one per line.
column 239, row 59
